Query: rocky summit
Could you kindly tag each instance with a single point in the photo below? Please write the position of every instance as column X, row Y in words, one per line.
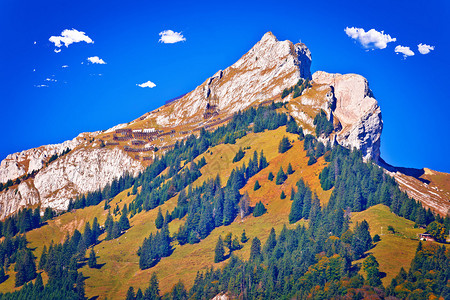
column 257, row 78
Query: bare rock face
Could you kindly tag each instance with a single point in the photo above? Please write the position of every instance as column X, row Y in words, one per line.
column 27, row 161
column 82, row 170
column 356, row 110
column 260, row 74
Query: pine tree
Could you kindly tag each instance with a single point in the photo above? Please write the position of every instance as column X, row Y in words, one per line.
column 179, row 292
column 292, row 194
column 219, row 252
column 362, row 241
column 244, row 237
column 88, row 236
column 271, row 242
column 255, row 249
column 92, row 261
column 2, row 274
column 96, row 231
column 124, row 223
column 152, row 292
column 284, row 145
column 259, row 209
column 289, row 169
column 262, row 161
column 270, row 177
column 229, row 208
column 257, row 186
column 130, row 294
column 109, row 223
column 281, row 176
column 159, row 222
column 370, row 266
column 43, row 259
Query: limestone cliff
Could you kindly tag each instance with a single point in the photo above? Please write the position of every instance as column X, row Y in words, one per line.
column 260, row 75
column 357, row 112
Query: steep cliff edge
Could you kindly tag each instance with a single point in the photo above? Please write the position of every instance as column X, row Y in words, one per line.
column 258, row 77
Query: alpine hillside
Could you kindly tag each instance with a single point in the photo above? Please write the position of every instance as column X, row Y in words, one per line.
column 265, row 181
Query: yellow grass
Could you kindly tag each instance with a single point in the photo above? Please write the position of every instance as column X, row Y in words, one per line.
column 120, row 263
column 394, row 251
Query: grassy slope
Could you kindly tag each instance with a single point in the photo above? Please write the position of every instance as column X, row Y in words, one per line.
column 120, row 264
column 394, row 250
column 116, row 276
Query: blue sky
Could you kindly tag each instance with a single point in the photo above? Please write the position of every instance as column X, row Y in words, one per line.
column 412, row 92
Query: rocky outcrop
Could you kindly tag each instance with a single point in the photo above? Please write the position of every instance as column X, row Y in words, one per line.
column 357, row 112
column 27, row 161
column 84, row 169
column 260, row 74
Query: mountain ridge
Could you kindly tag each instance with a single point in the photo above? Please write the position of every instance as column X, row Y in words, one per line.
column 257, row 78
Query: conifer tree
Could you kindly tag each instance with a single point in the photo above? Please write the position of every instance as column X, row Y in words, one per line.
column 2, row 274
column 271, row 242
column 281, row 176
column 159, row 222
column 219, row 252
column 259, row 209
column 43, row 259
column 92, row 261
column 255, row 249
column 284, row 145
column 292, row 194
column 370, row 266
column 130, row 294
column 282, row 195
column 257, row 186
column 244, row 237
column 289, row 169
column 262, row 161
column 270, row 177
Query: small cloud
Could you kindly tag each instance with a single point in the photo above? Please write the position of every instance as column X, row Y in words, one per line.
column 371, row 39
column 70, row 36
column 65, row 66
column 171, row 37
column 424, row 48
column 34, row 70
column 96, row 60
column 57, row 50
column 40, row 85
column 147, row 84
column 34, row 43
column 404, row 50
column 51, row 80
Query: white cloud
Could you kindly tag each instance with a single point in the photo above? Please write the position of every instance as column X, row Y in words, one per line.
column 40, row 85
column 404, row 50
column 70, row 36
column 57, row 50
column 148, row 84
column 65, row 66
column 34, row 70
column 171, row 37
column 96, row 60
column 424, row 48
column 51, row 80
column 34, row 43
column 371, row 39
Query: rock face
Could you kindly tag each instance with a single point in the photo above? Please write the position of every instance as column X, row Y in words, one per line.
column 260, row 74
column 356, row 110
column 27, row 161
column 82, row 170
